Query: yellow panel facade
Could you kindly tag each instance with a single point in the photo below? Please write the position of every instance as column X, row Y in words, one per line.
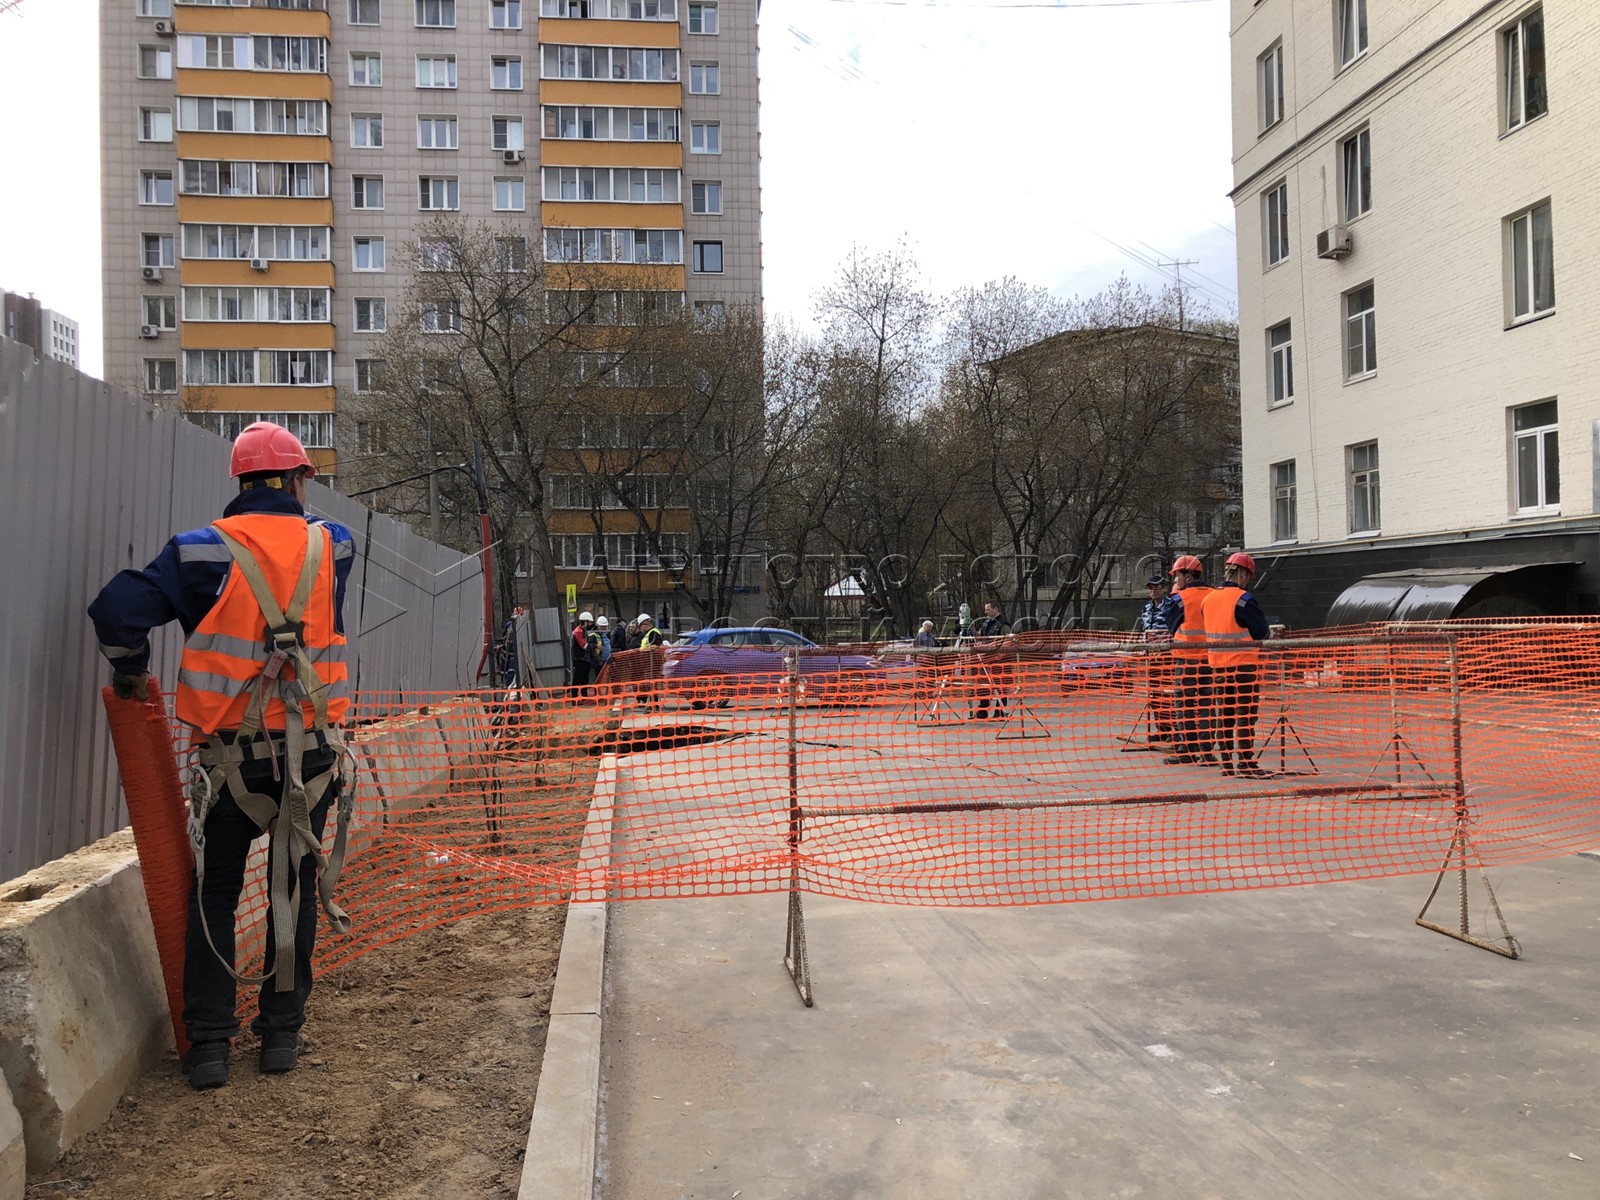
column 648, row 277
column 582, row 214
column 193, row 18
column 625, row 95
column 258, row 399
column 271, row 85
column 237, row 273
column 260, row 147
column 254, row 335
column 609, row 33
column 562, row 152
column 255, row 210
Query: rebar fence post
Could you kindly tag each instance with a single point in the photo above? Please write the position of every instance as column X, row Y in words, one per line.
column 1460, row 847
column 794, row 943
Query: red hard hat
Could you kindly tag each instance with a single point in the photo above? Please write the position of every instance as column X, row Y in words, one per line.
column 264, row 446
column 1241, row 559
column 1188, row 562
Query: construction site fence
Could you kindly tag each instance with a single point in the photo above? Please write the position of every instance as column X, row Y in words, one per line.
column 1000, row 774
column 94, row 480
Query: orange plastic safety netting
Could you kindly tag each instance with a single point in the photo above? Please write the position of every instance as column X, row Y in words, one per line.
column 1027, row 771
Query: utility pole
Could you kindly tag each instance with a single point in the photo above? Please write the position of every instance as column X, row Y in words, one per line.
column 1177, row 266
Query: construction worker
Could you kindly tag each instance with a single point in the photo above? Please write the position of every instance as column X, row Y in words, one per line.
column 581, row 654
column 264, row 684
column 649, row 638
column 1234, row 624
column 1185, row 618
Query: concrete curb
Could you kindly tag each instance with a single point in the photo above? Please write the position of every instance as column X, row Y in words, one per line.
column 563, row 1134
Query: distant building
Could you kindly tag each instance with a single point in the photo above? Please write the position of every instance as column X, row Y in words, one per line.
column 49, row 333
column 1420, row 389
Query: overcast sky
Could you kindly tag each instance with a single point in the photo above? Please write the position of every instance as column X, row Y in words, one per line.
column 993, row 139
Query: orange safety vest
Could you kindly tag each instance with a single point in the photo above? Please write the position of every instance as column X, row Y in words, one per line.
column 223, row 659
column 1190, row 639
column 1230, row 642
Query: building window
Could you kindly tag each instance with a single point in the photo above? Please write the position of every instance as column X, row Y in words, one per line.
column 1522, row 61
column 366, row 191
column 1536, row 455
column 368, row 254
column 436, row 254
column 154, row 8
column 702, row 18
column 1285, row 507
column 438, row 133
column 155, row 62
column 1280, row 363
column 437, row 72
column 368, row 371
column 1530, row 264
column 1352, row 30
column 436, row 14
column 511, row 253
column 1355, row 170
column 510, row 194
column 705, row 197
column 505, row 73
column 160, row 374
column 158, row 250
column 155, row 124
column 155, row 187
column 1269, row 86
column 366, row 130
column 705, row 137
column 506, row 133
column 1360, row 333
column 708, row 258
column 1275, row 216
column 372, row 314
column 364, row 12
column 710, row 314
column 1362, row 464
column 366, row 69
column 438, row 193
column 705, row 79
column 505, row 14
column 160, row 311
column 441, row 316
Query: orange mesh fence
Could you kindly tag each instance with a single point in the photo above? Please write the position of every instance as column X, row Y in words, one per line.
column 1019, row 772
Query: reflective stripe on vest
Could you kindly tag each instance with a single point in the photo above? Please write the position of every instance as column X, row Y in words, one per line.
column 224, row 656
column 1230, row 642
column 1190, row 639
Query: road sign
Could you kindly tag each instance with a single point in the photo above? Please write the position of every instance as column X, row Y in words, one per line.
column 572, row 597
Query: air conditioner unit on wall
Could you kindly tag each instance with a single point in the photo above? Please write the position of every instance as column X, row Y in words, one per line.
column 164, row 29
column 259, row 264
column 148, row 331
column 1334, row 243
column 511, row 156
column 151, row 273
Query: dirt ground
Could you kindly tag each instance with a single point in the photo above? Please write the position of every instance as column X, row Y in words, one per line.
column 418, row 1080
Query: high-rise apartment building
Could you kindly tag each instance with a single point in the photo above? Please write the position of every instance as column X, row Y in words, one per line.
column 24, row 319
column 265, row 162
column 1420, row 334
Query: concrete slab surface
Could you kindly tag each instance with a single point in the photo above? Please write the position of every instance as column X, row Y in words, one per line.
column 1302, row 1042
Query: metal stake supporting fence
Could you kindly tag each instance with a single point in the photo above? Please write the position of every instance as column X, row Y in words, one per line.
column 794, row 942
column 1461, row 847
column 1028, row 723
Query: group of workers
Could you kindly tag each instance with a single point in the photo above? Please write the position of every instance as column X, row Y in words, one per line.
column 593, row 641
column 1216, row 684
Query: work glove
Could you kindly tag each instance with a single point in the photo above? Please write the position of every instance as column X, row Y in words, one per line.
column 129, row 687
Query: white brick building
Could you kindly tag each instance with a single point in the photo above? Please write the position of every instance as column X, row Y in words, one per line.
column 1420, row 365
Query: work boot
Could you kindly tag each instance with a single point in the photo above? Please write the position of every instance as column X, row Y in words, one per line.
column 280, row 1051
column 207, row 1065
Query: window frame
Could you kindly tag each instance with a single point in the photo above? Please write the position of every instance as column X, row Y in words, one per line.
column 1368, row 317
column 1354, row 207
column 1527, row 246
column 152, row 382
column 149, row 175
column 1283, row 379
column 501, row 127
column 373, row 123
column 1363, row 481
column 373, row 242
column 696, row 13
column 354, row 7
column 451, row 124
column 147, row 115
column 702, row 72
column 505, row 6
column 1343, row 11
column 705, row 132
column 503, row 62
column 448, row 59
column 425, row 189
column 1274, row 231
column 1269, row 87
column 1513, row 42
column 368, row 58
column 161, row 55
column 1284, row 497
column 376, row 311
column 705, row 197
column 700, row 252
column 509, row 180
column 444, row 8
column 1545, row 436
column 166, row 305
column 364, row 181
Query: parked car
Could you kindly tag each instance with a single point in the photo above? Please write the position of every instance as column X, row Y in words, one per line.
column 716, row 665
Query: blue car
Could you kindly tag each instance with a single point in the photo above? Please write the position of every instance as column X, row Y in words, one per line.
column 717, row 665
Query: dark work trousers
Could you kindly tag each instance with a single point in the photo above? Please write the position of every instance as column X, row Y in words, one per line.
column 1238, row 703
column 1196, row 719
column 210, row 998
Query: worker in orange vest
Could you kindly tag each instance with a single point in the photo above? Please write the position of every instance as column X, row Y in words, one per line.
column 264, row 685
column 1186, row 620
column 1234, row 624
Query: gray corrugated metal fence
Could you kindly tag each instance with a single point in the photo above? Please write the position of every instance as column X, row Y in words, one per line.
column 93, row 480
